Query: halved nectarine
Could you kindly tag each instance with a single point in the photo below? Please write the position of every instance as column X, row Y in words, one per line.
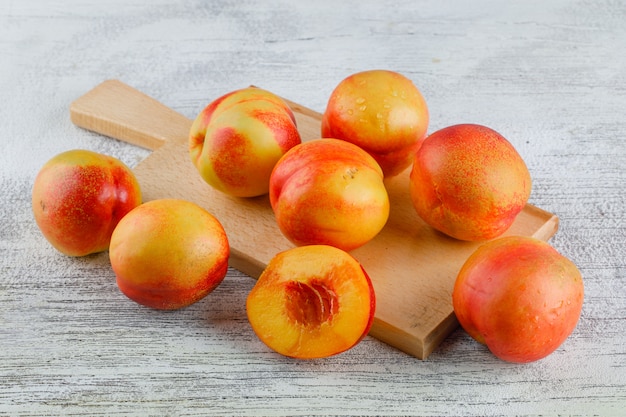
column 312, row 302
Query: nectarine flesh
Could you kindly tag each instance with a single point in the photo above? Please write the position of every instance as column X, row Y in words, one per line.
column 312, row 302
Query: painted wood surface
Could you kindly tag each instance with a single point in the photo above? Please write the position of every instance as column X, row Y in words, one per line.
column 550, row 76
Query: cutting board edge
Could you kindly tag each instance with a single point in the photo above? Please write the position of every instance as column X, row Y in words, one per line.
column 411, row 344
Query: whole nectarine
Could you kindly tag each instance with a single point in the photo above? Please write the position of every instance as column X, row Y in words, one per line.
column 238, row 138
column 469, row 182
column 330, row 192
column 78, row 198
column 382, row 112
column 169, row 253
column 519, row 296
column 312, row 302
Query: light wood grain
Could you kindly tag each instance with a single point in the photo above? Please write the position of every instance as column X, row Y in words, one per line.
column 117, row 110
column 412, row 267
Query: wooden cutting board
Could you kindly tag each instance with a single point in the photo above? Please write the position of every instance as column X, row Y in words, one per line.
column 413, row 267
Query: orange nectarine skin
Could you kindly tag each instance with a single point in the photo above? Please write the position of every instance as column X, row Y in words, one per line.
column 312, row 302
column 380, row 111
column 233, row 98
column 238, row 138
column 78, row 198
column 469, row 182
column 330, row 192
column 168, row 254
column 518, row 296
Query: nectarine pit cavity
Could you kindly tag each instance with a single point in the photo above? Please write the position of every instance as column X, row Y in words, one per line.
column 310, row 304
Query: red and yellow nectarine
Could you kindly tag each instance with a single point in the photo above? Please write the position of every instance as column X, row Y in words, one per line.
column 238, row 138
column 380, row 111
column 78, row 198
column 519, row 296
column 469, row 182
column 168, row 254
column 330, row 192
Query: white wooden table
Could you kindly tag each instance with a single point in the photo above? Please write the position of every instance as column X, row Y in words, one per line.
column 549, row 75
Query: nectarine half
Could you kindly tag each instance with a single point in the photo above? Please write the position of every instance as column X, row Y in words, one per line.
column 312, row 302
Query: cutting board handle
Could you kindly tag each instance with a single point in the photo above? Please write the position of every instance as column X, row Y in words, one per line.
column 115, row 109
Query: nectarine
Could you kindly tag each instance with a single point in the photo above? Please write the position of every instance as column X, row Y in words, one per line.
column 469, row 182
column 78, row 198
column 380, row 111
column 330, row 192
column 238, row 138
column 312, row 302
column 168, row 254
column 519, row 296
